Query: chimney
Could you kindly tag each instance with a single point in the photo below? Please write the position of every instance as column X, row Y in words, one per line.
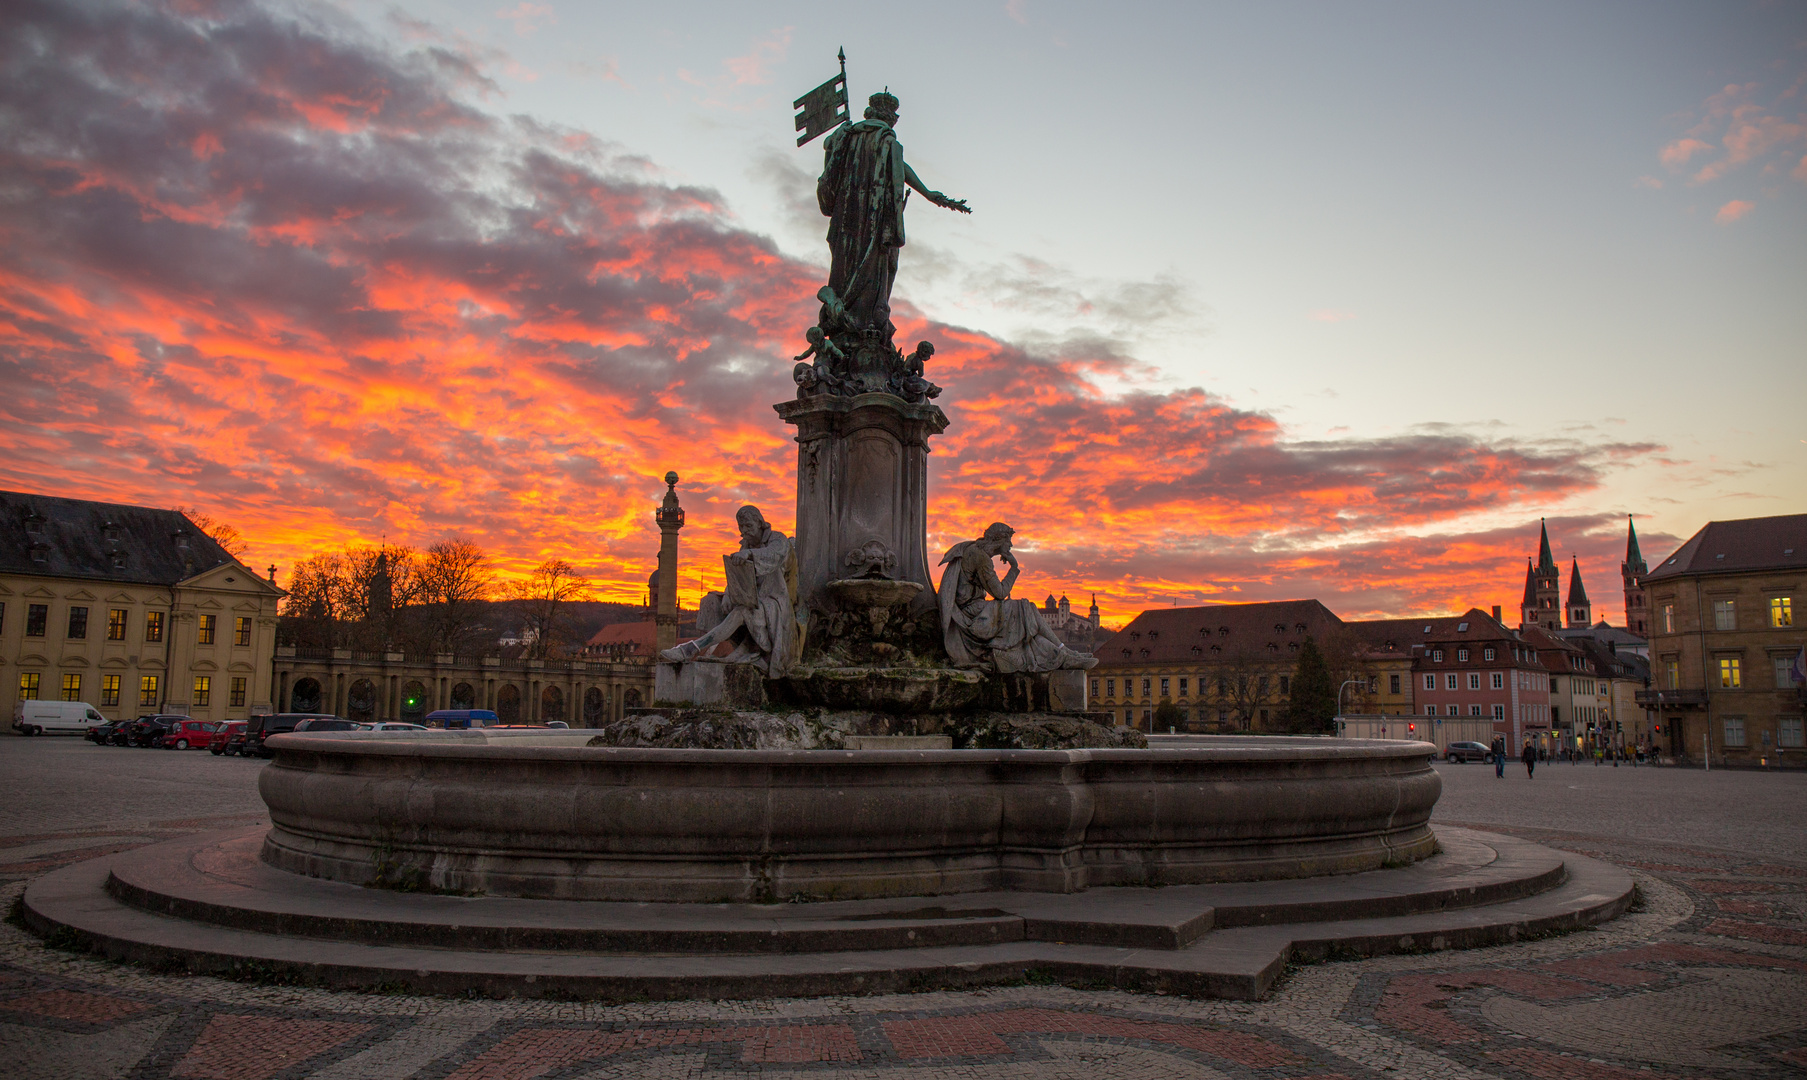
column 1496, row 613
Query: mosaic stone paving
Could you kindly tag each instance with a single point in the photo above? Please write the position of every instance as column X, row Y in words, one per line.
column 1706, row 978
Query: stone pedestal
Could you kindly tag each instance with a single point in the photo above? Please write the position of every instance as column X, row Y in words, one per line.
column 699, row 684
column 862, row 475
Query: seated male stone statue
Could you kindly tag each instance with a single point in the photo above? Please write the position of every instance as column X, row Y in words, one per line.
column 758, row 607
column 982, row 626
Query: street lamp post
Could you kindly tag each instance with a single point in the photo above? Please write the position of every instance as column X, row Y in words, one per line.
column 1339, row 698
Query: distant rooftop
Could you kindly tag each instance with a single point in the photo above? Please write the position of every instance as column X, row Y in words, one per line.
column 1741, row 546
column 74, row 538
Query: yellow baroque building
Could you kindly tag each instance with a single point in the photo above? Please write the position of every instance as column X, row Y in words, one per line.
column 130, row 609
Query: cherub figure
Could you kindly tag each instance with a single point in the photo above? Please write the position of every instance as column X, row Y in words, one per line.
column 834, row 312
column 821, row 346
column 915, row 387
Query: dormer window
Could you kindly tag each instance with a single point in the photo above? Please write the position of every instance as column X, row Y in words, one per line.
column 34, row 525
column 1427, row 628
column 1279, row 628
column 1436, row 656
column 1461, row 628
column 1152, row 634
column 1223, row 631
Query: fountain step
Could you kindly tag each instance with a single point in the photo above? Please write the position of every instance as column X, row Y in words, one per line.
column 231, row 914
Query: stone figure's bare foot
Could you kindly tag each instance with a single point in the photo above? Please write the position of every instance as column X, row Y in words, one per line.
column 681, row 653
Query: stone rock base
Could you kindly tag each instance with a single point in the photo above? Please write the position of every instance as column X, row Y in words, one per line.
column 724, row 728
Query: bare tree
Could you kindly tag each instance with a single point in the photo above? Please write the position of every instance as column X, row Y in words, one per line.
column 223, row 534
column 546, row 594
column 1245, row 681
column 455, row 578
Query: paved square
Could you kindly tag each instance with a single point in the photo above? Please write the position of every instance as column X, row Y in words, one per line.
column 1706, row 978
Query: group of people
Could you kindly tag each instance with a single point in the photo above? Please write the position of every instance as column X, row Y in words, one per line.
column 1531, row 755
column 1528, row 756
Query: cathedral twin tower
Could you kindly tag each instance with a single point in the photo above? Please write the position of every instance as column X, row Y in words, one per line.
column 1543, row 605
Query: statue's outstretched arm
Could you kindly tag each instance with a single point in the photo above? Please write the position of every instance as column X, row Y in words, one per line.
column 935, row 197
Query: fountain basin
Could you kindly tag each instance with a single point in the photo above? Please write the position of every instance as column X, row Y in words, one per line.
column 537, row 815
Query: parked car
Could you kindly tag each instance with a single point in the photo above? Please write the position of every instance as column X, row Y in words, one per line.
column 262, row 727
column 227, row 732
column 454, row 719
column 188, row 734
column 1460, row 752
column 236, row 740
column 122, row 732
column 102, row 734
column 55, row 717
column 147, row 731
column 330, row 723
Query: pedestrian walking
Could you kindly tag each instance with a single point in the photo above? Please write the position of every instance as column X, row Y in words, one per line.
column 1530, row 759
column 1499, row 757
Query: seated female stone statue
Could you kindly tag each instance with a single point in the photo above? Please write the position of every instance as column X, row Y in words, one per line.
column 759, row 604
column 982, row 626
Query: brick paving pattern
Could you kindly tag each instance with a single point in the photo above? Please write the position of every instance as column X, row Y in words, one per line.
column 1706, row 978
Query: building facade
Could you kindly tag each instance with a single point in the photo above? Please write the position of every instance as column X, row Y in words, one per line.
column 1726, row 644
column 130, row 609
column 1472, row 666
column 363, row 686
column 1225, row 667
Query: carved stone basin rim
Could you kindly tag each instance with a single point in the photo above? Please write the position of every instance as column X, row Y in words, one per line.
column 874, row 592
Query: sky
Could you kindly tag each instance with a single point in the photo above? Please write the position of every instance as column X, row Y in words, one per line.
column 1256, row 302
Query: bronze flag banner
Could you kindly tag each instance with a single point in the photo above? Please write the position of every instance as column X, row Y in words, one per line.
column 824, row 108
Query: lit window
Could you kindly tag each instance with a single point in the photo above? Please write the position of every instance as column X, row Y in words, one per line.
column 147, row 691
column 28, row 686
column 241, row 632
column 1781, row 611
column 78, row 626
column 109, row 691
column 1668, row 618
column 206, row 631
column 1730, row 678
column 72, row 688
column 1499, row 680
column 238, row 692
column 1430, row 682
column 153, row 626
column 1474, row 680
column 116, row 624
column 1672, row 669
column 37, row 619
column 203, row 690
column 1734, row 731
column 1725, row 615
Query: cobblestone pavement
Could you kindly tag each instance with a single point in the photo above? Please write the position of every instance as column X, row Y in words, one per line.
column 1706, row 978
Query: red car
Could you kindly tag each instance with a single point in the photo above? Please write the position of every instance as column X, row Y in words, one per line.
column 189, row 734
column 217, row 745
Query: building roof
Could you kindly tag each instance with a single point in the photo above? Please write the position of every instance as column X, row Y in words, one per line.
column 1555, row 653
column 1546, row 563
column 1473, row 625
column 1577, row 594
column 1741, row 546
column 1610, row 636
column 1188, row 635
column 73, row 538
column 641, row 635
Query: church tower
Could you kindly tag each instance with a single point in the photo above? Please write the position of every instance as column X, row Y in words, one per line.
column 1580, row 611
column 1093, row 614
column 1542, row 605
column 1632, row 571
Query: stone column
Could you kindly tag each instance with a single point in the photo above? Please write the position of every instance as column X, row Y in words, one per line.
column 862, row 474
column 670, row 517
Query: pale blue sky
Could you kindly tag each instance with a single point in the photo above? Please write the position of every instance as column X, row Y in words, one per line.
column 1360, row 218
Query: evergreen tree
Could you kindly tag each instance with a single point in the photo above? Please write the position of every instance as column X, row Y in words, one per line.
column 1168, row 715
column 1313, row 704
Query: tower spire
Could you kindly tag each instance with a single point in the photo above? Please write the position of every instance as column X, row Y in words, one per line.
column 1546, row 563
column 1580, row 611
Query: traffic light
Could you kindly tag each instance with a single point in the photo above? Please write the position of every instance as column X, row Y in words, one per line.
column 1411, row 728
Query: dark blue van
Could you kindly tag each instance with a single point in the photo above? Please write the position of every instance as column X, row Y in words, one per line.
column 454, row 719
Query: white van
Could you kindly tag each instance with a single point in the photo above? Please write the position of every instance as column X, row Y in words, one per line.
column 56, row 717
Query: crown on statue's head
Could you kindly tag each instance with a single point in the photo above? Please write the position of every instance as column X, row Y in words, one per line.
column 884, row 102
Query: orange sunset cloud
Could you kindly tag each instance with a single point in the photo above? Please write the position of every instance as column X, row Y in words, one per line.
column 279, row 271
